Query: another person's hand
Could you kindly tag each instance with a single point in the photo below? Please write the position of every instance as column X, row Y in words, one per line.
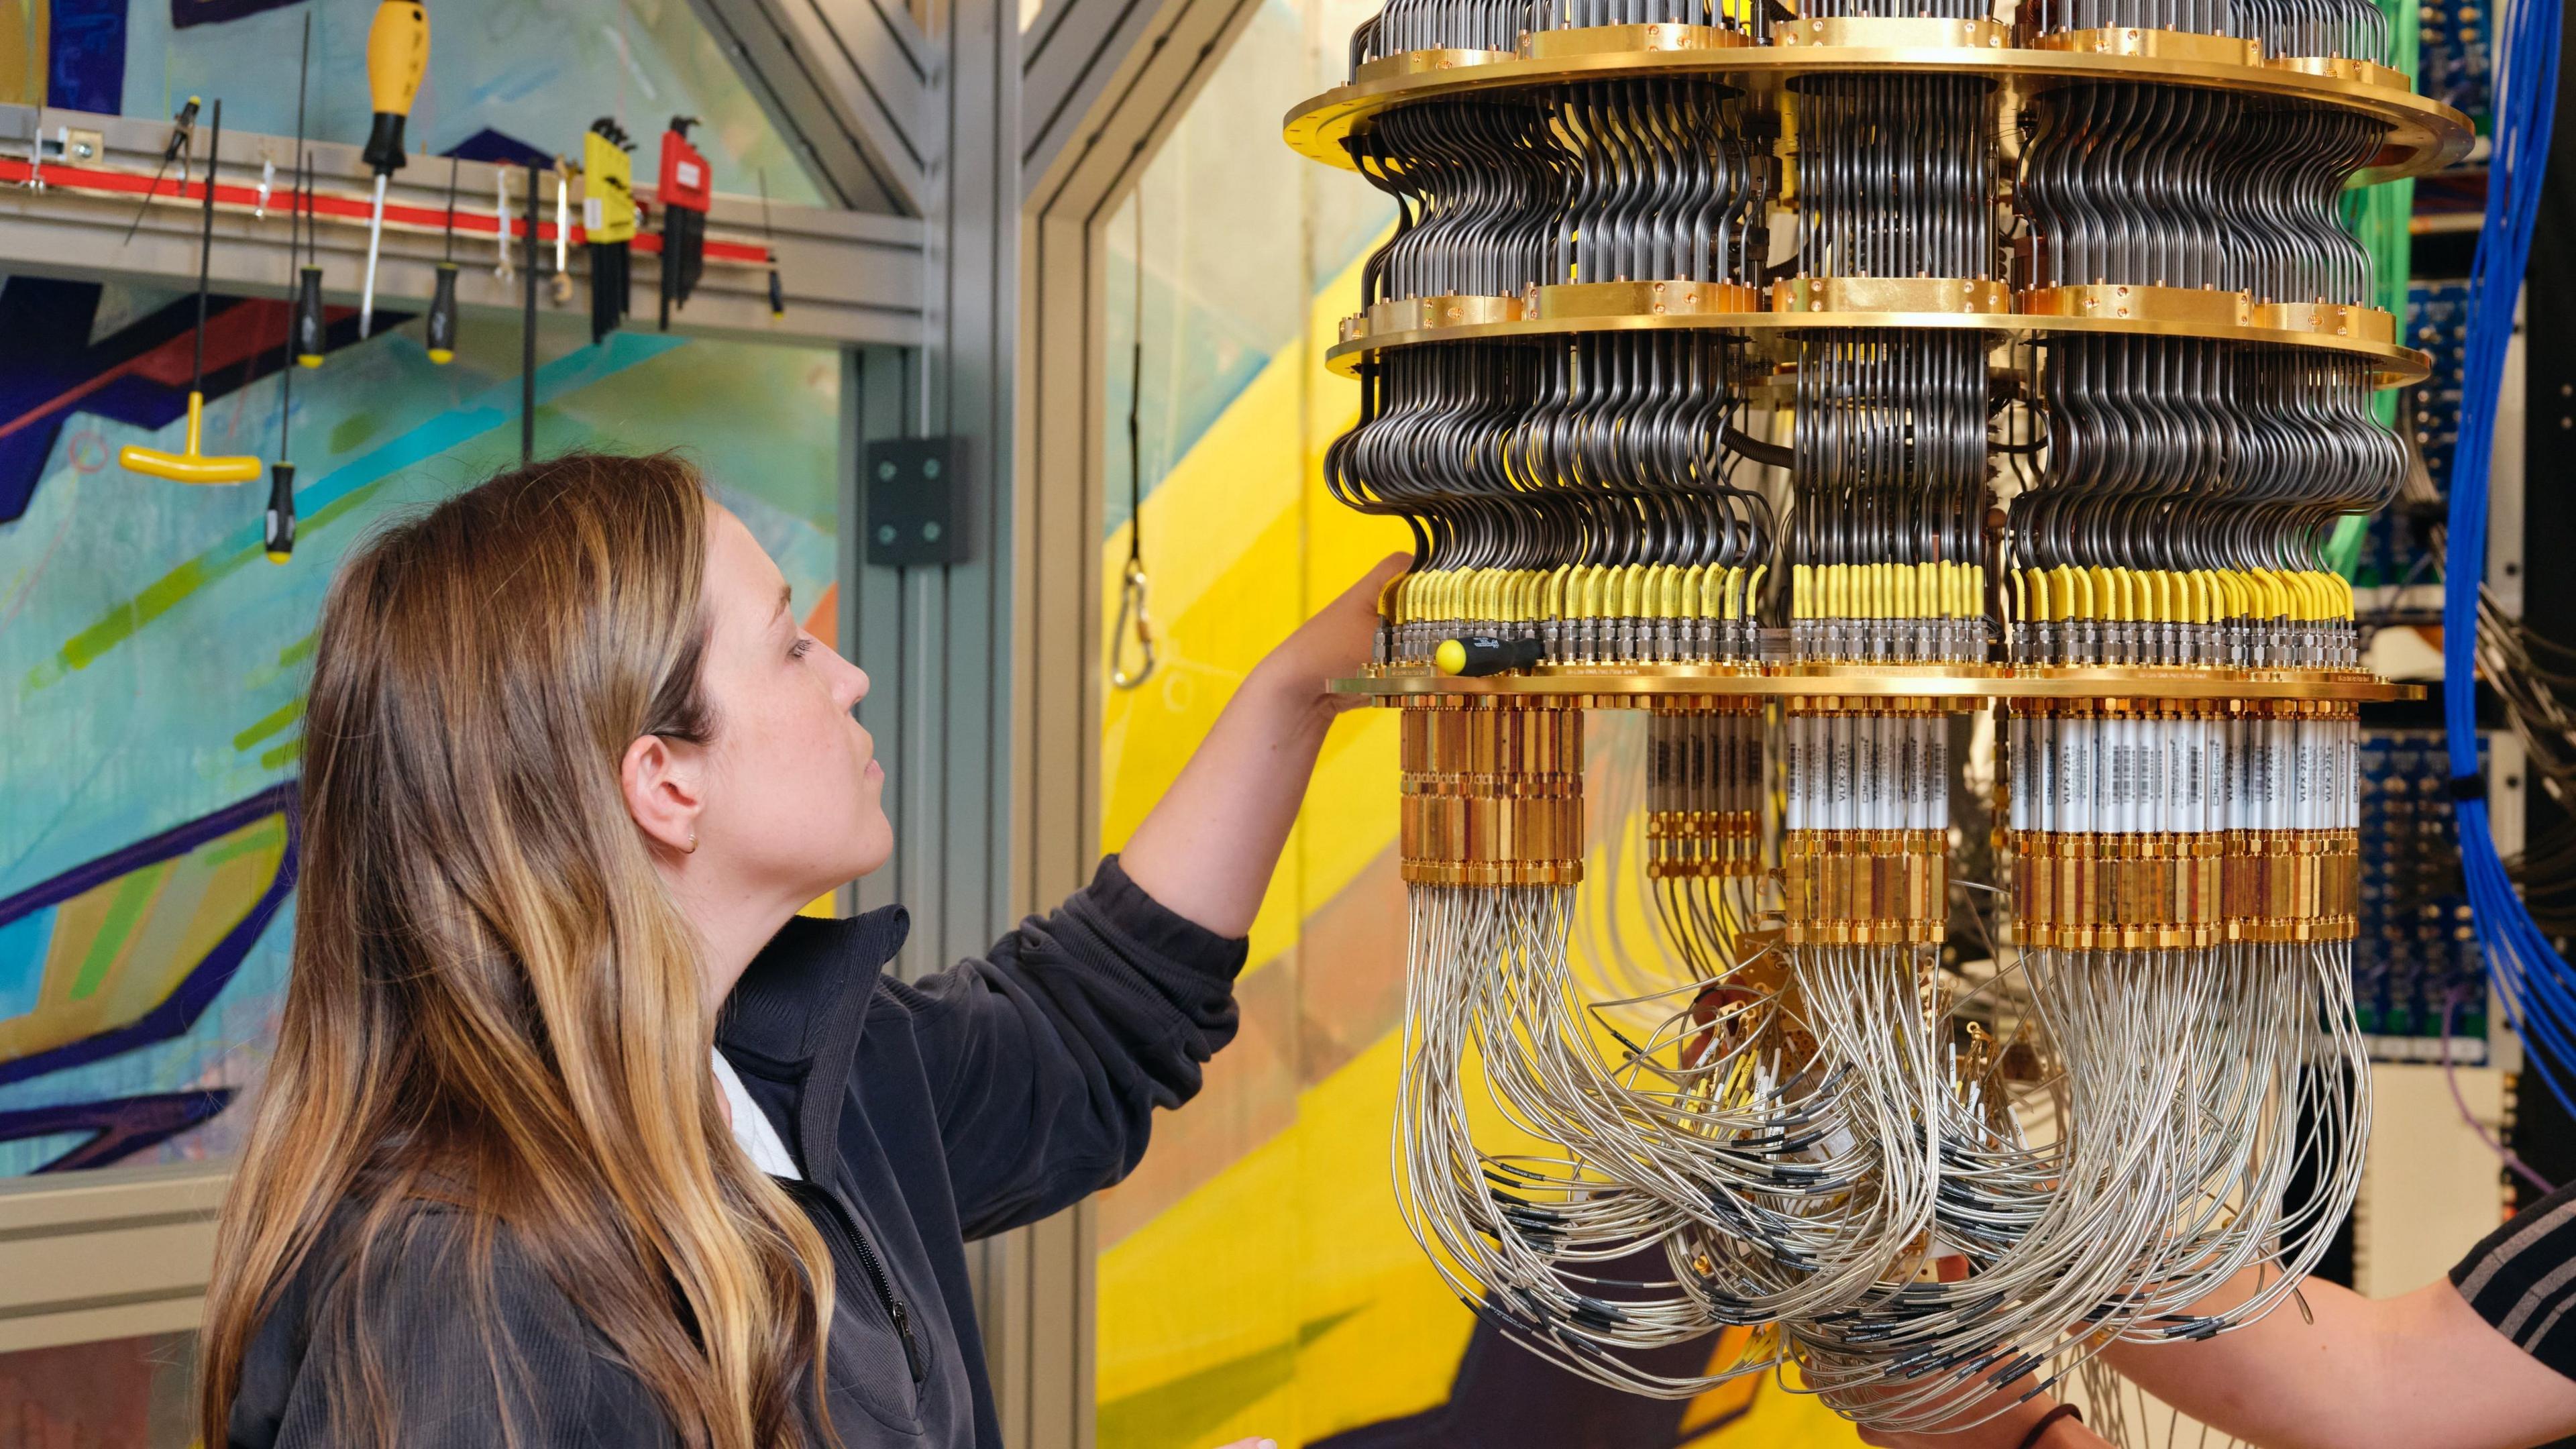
column 2010, row 1429
column 1335, row 644
column 1253, row 1444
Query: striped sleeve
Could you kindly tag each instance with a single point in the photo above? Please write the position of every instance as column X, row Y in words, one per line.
column 2522, row 1280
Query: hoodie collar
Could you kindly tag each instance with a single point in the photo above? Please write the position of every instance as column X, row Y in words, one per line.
column 796, row 1013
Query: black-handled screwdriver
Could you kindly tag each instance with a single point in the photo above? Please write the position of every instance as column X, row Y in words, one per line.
column 277, row 525
column 442, row 303
column 278, row 536
column 308, row 334
column 1478, row 655
column 313, row 336
column 769, row 234
column 312, row 329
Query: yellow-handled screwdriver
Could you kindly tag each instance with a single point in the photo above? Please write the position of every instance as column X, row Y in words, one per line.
column 397, row 58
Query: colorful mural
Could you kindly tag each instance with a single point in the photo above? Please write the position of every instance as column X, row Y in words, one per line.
column 531, row 74
column 151, row 663
column 1255, row 1277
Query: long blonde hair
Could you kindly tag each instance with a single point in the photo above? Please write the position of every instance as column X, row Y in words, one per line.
column 494, row 1003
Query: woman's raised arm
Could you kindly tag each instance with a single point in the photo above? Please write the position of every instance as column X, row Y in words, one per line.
column 1048, row 1057
column 1207, row 849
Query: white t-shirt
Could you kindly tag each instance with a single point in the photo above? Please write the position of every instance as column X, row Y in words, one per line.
column 752, row 1131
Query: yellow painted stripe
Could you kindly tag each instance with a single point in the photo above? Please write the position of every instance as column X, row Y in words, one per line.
column 134, row 894
column 1304, row 1226
column 1246, row 469
column 1242, row 543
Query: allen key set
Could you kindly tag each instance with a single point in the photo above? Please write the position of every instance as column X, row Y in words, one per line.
column 1805, row 381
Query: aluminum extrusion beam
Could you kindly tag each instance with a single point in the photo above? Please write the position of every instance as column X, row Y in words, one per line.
column 851, row 278
column 1106, row 79
column 851, row 83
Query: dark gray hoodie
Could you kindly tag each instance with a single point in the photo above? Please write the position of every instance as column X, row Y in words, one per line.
column 978, row 1099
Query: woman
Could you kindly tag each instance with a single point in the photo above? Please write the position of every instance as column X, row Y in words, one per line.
column 576, row 1133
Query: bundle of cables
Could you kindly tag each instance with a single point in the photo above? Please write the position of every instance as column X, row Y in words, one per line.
column 2535, row 678
column 2538, row 992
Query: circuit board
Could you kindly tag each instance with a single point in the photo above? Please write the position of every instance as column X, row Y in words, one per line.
column 2416, row 959
column 2455, row 65
column 2397, row 550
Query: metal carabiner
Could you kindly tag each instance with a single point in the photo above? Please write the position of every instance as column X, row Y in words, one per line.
column 1131, row 605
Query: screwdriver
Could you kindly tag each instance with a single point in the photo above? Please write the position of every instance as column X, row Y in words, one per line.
column 397, row 57
column 306, row 337
column 769, row 234
column 501, row 212
column 183, row 131
column 277, row 528
column 442, row 303
column 312, row 330
column 277, row 536
column 559, row 286
column 279, row 525
column 1479, row 655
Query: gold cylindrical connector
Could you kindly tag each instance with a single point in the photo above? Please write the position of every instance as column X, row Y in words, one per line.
column 1704, row 786
column 1865, row 887
column 1686, row 843
column 2294, row 885
column 1493, row 793
column 2116, row 892
column 2195, row 823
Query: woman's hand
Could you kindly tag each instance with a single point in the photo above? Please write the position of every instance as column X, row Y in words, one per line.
column 1207, row 849
column 1335, row 644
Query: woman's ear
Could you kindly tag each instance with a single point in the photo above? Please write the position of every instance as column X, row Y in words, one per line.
column 661, row 781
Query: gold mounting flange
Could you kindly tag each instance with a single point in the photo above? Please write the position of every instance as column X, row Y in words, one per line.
column 2423, row 134
column 1957, row 685
column 2356, row 331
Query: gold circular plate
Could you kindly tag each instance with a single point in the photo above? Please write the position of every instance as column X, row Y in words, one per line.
column 1949, row 682
column 2423, row 134
column 2398, row 366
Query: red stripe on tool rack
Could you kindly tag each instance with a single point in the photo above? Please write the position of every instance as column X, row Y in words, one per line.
column 334, row 206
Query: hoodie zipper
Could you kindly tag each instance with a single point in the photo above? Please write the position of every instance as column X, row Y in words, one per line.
column 849, row 1233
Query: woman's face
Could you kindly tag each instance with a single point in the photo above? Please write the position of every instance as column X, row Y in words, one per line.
column 793, row 799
